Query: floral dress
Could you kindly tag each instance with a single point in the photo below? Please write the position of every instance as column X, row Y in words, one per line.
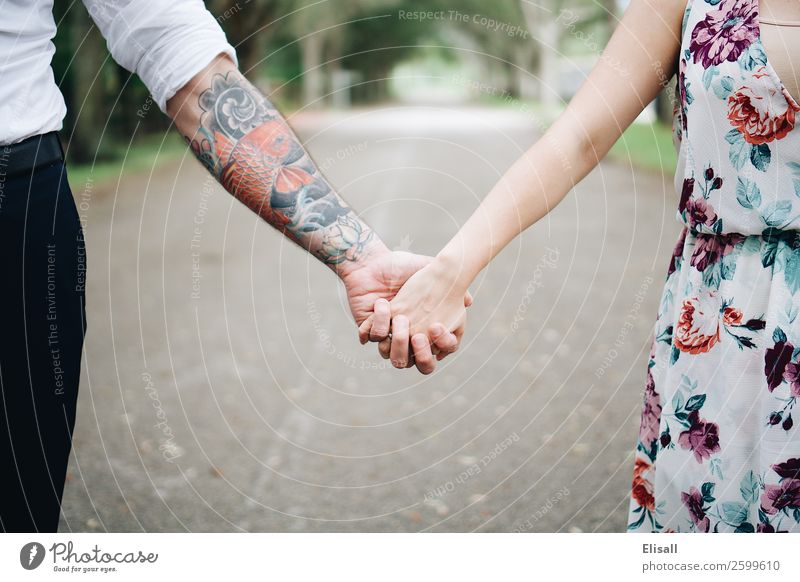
column 718, row 447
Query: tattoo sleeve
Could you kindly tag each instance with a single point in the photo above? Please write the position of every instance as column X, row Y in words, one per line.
column 248, row 146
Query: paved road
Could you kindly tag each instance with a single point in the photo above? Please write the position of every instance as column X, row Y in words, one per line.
column 224, row 388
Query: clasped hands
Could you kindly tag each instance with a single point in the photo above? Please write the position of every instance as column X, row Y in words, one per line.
column 412, row 305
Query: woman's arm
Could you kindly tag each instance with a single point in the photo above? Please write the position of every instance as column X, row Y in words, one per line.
column 628, row 77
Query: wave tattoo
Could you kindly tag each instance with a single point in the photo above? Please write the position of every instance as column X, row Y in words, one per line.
column 253, row 153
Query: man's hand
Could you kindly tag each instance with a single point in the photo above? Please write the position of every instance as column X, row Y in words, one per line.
column 379, row 276
column 372, row 285
column 430, row 304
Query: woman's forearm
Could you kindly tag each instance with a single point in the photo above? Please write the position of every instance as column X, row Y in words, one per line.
column 628, row 76
column 531, row 188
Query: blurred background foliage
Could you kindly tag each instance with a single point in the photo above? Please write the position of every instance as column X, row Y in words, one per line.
column 344, row 53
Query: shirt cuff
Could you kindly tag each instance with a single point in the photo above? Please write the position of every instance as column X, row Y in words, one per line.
column 166, row 44
column 184, row 67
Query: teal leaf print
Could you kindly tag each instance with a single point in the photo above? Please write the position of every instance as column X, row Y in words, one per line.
column 712, row 276
column 666, row 335
column 795, row 169
column 674, row 356
column 773, row 238
column 708, row 76
column 751, row 245
column 749, row 487
column 728, row 267
column 780, row 260
column 753, row 58
column 666, row 302
column 695, row 402
column 687, row 383
column 745, row 527
column 677, row 402
column 638, row 522
column 770, row 250
column 760, row 156
column 715, row 467
column 748, row 193
column 776, row 213
column 733, row 512
column 792, row 309
column 707, row 491
column 791, row 271
column 724, row 87
column 740, row 149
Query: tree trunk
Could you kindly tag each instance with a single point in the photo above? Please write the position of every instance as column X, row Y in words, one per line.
column 524, row 55
column 610, row 16
column 546, row 30
column 88, row 90
column 313, row 75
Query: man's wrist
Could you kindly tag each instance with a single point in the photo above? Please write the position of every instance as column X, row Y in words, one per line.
column 371, row 250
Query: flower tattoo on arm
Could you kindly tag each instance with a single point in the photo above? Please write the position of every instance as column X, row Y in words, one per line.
column 246, row 144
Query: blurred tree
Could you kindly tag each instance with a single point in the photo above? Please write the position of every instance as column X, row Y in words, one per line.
column 588, row 24
column 542, row 19
column 380, row 39
column 250, row 26
column 377, row 41
column 310, row 41
column 326, row 30
column 83, row 78
column 498, row 29
column 610, row 9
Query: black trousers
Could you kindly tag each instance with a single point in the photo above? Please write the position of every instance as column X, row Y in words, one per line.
column 42, row 325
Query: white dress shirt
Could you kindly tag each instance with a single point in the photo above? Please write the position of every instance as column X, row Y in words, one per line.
column 166, row 42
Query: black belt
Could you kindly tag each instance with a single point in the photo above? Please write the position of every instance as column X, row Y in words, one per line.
column 30, row 154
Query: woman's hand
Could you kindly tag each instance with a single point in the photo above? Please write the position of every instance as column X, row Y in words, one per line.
column 369, row 290
column 428, row 316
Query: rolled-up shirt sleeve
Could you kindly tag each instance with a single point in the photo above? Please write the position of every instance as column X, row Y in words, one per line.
column 165, row 42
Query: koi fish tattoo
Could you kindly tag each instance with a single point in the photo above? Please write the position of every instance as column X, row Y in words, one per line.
column 246, row 144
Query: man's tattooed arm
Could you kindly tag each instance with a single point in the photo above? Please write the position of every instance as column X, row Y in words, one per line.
column 241, row 138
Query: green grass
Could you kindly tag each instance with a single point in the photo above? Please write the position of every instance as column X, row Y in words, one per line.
column 144, row 155
column 647, row 145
